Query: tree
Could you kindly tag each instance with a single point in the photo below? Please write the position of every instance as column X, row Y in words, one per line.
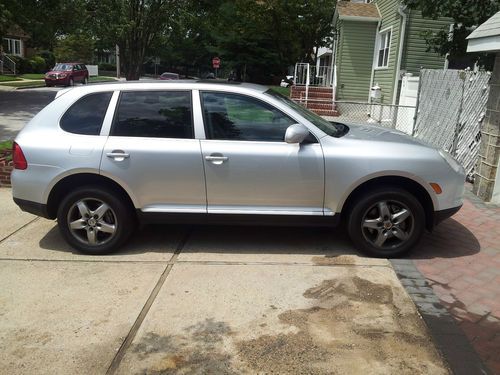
column 75, row 47
column 44, row 20
column 134, row 25
column 466, row 15
column 5, row 19
column 258, row 39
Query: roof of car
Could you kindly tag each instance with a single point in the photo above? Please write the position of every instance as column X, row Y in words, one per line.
column 199, row 83
column 188, row 84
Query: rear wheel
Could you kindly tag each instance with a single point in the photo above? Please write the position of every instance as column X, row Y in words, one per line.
column 94, row 220
column 85, row 80
column 386, row 222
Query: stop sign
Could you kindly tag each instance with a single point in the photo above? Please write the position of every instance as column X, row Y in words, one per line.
column 216, row 63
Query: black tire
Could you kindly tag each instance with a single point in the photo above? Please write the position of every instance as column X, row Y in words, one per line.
column 119, row 216
column 85, row 80
column 71, row 82
column 365, row 214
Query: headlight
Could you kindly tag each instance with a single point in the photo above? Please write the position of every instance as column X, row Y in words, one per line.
column 62, row 75
column 455, row 165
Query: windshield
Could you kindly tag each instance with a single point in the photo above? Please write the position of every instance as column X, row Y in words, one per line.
column 331, row 128
column 63, row 67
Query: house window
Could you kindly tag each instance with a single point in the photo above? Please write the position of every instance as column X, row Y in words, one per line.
column 12, row 46
column 383, row 49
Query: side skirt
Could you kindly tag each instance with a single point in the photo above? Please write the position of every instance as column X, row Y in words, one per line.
column 241, row 219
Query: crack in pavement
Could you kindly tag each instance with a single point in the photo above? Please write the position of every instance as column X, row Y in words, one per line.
column 115, row 363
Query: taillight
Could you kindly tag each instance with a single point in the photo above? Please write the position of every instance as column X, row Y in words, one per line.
column 18, row 157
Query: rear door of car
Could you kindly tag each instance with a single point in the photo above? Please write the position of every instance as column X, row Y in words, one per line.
column 249, row 167
column 152, row 152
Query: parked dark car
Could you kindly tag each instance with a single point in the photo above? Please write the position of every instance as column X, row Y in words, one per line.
column 67, row 74
column 168, row 76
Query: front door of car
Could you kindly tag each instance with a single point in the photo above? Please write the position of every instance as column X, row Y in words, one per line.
column 151, row 151
column 76, row 73
column 249, row 168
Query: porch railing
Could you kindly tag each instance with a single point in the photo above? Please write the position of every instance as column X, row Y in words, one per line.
column 309, row 75
column 312, row 75
column 7, row 62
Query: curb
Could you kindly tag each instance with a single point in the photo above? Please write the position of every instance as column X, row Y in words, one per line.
column 449, row 338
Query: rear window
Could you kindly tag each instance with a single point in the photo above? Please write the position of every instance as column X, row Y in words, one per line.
column 156, row 114
column 87, row 114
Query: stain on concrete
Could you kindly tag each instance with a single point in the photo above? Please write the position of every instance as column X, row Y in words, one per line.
column 357, row 328
column 198, row 351
column 348, row 325
column 355, row 288
column 330, row 260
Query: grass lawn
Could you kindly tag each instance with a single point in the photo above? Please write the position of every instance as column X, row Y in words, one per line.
column 8, row 78
column 285, row 91
column 24, row 84
column 101, row 79
column 33, row 76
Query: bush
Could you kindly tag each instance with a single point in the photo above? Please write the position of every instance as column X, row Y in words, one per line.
column 107, row 67
column 50, row 59
column 37, row 64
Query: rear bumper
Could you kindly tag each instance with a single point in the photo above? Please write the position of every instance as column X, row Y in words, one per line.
column 439, row 216
column 34, row 208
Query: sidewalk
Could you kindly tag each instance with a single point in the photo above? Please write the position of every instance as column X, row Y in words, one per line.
column 461, row 260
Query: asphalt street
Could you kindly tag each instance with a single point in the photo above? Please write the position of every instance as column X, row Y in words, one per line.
column 17, row 107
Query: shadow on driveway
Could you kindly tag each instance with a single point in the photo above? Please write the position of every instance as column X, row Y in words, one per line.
column 449, row 240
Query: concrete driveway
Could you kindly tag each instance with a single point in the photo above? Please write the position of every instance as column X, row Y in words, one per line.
column 203, row 300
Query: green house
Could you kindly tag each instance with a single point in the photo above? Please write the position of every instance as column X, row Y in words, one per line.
column 377, row 43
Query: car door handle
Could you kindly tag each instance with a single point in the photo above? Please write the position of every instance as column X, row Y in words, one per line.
column 118, row 155
column 216, row 159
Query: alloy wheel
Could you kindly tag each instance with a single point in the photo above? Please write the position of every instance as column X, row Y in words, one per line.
column 387, row 224
column 92, row 221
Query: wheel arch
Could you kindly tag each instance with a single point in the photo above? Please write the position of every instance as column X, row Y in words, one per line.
column 406, row 183
column 65, row 184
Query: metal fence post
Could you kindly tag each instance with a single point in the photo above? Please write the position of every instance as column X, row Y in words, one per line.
column 420, row 80
column 454, row 145
column 307, row 82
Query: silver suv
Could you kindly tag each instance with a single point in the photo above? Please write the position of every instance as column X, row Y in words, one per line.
column 103, row 158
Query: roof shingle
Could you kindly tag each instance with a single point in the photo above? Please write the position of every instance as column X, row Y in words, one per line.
column 490, row 28
column 347, row 9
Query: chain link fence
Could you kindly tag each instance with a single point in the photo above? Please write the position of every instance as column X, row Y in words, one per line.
column 451, row 108
column 391, row 116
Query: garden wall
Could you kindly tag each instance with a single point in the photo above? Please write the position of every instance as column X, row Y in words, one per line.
column 6, row 166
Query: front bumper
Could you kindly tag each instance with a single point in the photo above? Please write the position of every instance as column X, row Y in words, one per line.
column 34, row 208
column 56, row 81
column 441, row 215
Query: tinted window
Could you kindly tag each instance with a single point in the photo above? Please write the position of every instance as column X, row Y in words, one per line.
column 330, row 128
column 87, row 114
column 239, row 117
column 160, row 114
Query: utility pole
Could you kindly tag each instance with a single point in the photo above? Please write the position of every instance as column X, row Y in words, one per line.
column 117, row 55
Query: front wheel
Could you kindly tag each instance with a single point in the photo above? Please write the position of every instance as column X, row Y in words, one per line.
column 386, row 222
column 95, row 220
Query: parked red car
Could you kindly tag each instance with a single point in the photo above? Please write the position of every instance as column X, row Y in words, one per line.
column 67, row 74
column 168, row 76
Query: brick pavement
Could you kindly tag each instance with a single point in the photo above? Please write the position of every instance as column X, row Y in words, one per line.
column 461, row 262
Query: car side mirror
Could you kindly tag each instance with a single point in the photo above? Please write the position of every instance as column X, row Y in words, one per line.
column 296, row 133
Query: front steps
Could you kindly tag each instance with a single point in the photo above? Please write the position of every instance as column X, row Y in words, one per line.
column 319, row 99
